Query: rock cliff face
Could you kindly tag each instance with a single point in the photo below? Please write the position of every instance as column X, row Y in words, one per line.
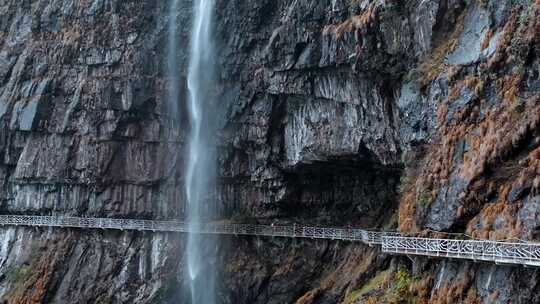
column 422, row 115
column 83, row 133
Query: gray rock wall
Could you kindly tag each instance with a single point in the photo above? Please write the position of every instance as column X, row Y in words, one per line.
column 333, row 112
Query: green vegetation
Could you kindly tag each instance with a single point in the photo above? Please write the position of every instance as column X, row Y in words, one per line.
column 17, row 273
column 401, row 289
column 424, row 199
column 404, row 183
column 518, row 107
column 374, row 283
column 393, row 286
column 352, row 297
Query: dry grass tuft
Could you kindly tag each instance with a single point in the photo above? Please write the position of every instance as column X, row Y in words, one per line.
column 487, row 39
column 72, row 36
column 354, row 23
column 455, row 291
column 492, row 135
column 433, row 66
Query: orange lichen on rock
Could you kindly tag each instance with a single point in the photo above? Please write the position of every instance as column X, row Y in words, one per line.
column 72, row 36
column 474, row 83
column 353, row 23
column 528, row 33
column 33, row 286
column 478, row 142
column 499, row 221
column 458, row 290
column 421, row 289
column 487, row 39
column 503, row 43
column 495, row 139
column 309, row 297
column 434, row 65
column 359, row 263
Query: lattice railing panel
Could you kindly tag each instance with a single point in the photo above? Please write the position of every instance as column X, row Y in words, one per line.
column 391, row 242
column 499, row 252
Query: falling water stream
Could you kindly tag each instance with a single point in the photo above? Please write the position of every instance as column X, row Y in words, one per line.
column 199, row 164
column 199, row 172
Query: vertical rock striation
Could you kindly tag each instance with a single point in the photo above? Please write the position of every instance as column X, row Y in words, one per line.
column 422, row 115
column 84, row 132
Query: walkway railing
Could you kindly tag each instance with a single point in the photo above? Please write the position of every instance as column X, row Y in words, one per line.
column 482, row 250
column 206, row 228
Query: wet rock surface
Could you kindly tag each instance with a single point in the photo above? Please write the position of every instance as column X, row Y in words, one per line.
column 421, row 114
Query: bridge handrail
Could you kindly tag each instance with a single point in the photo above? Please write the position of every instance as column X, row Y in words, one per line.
column 391, row 242
column 509, row 252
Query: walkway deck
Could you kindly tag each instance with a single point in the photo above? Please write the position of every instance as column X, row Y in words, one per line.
column 527, row 254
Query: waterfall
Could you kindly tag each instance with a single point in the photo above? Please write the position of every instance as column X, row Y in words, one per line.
column 200, row 167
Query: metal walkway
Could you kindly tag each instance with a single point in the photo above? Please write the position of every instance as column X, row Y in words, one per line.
column 527, row 254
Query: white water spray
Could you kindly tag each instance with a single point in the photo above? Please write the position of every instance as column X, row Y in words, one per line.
column 199, row 174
